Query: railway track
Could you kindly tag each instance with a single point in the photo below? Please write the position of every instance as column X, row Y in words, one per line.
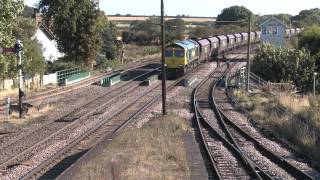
column 65, row 89
column 100, row 126
column 227, row 162
column 252, row 147
column 262, row 139
column 18, row 145
column 234, row 155
column 105, row 129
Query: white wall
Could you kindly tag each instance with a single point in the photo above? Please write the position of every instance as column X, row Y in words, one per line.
column 50, row 79
column 49, row 48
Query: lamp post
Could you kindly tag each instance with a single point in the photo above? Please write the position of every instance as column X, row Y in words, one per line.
column 314, row 83
column 164, row 88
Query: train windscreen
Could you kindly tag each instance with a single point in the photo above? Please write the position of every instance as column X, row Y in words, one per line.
column 169, row 53
column 179, row 53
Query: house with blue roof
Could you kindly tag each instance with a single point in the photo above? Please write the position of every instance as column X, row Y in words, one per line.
column 273, row 32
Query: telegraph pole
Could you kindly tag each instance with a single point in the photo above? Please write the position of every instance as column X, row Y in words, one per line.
column 248, row 54
column 314, row 83
column 164, row 76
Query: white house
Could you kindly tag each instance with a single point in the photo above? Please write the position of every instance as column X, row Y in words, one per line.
column 46, row 39
column 49, row 47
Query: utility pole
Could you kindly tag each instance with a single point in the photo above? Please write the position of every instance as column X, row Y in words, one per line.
column 314, row 83
column 164, row 76
column 248, row 54
column 290, row 31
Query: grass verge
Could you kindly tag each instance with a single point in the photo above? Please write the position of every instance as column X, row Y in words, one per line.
column 8, row 93
column 296, row 119
column 32, row 115
column 155, row 151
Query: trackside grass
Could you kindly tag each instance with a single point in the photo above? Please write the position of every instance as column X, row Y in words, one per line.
column 32, row 115
column 155, row 151
column 294, row 118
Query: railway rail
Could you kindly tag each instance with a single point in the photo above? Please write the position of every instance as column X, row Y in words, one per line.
column 273, row 166
column 227, row 144
column 262, row 138
column 225, row 163
column 99, row 128
column 22, row 143
column 106, row 129
column 65, row 89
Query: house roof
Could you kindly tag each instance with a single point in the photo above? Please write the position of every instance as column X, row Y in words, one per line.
column 272, row 18
column 47, row 31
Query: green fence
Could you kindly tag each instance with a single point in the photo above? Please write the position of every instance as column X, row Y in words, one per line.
column 64, row 74
column 77, row 77
column 151, row 80
column 111, row 80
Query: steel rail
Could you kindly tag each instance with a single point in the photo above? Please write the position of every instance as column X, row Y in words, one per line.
column 266, row 131
column 12, row 159
column 225, row 121
column 38, row 170
column 202, row 120
column 65, row 89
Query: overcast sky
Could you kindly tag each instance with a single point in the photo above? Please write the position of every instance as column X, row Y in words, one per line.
column 208, row 8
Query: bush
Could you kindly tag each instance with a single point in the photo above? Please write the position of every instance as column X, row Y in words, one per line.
column 105, row 64
column 151, row 50
column 58, row 66
column 283, row 65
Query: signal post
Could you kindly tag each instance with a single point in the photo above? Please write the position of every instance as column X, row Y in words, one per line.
column 17, row 49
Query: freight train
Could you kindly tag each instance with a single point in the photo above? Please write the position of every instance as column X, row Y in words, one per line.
column 182, row 56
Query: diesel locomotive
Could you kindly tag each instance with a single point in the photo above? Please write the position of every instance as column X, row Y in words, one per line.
column 182, row 56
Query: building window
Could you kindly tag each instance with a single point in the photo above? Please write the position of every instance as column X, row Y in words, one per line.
column 274, row 30
column 264, row 30
column 271, row 30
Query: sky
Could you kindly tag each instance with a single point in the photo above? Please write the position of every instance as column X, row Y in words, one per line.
column 207, row 8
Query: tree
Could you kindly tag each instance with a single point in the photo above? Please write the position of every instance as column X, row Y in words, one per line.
column 109, row 37
column 201, row 32
column 234, row 13
column 307, row 18
column 9, row 10
column 78, row 26
column 33, row 60
column 28, row 12
column 175, row 29
column 310, row 39
column 284, row 65
column 143, row 32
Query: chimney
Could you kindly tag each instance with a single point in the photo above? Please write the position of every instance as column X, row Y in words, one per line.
column 38, row 19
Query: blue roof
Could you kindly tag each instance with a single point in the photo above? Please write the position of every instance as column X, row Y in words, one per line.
column 187, row 44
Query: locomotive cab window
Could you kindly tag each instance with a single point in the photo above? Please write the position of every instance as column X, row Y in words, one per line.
column 169, row 53
column 179, row 53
